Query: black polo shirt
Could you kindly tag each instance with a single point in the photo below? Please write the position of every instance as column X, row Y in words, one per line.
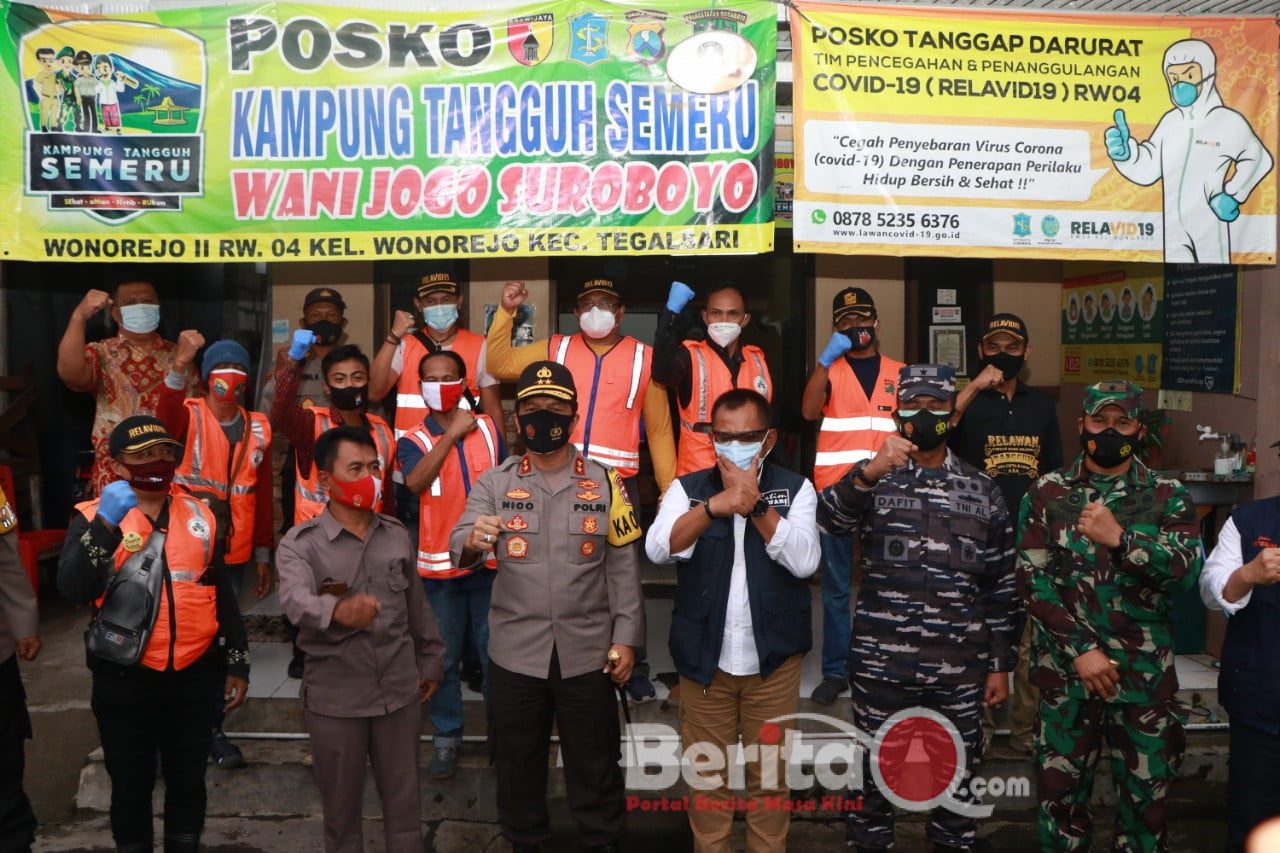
column 1014, row 442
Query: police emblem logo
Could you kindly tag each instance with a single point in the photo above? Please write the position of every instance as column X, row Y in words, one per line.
column 850, row 299
column 519, row 494
column 623, row 494
column 940, row 427
column 644, row 41
column 556, row 431
column 908, row 429
column 197, row 528
column 589, row 524
column 588, row 548
column 588, row 495
column 132, row 541
column 588, row 484
column 517, row 523
column 544, row 374
column 517, row 547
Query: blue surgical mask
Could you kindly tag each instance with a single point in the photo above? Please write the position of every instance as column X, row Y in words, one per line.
column 739, row 453
column 1184, row 94
column 440, row 317
column 140, row 319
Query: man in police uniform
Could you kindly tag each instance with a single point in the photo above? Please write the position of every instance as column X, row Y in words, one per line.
column 565, row 618
column 934, row 626
column 1103, row 546
column 18, row 639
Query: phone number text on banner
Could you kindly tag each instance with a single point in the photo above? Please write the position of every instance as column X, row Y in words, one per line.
column 1001, row 134
column 292, row 131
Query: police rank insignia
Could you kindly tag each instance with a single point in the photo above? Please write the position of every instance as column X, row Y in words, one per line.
column 588, row 495
column 517, row 547
column 588, row 484
column 132, row 541
column 519, row 494
column 589, row 524
column 517, row 524
column 588, row 548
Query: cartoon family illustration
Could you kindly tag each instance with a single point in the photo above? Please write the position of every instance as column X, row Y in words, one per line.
column 79, row 91
column 1207, row 155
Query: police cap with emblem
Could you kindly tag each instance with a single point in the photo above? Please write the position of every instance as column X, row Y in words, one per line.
column 855, row 301
column 437, row 282
column 138, row 433
column 549, row 379
column 926, row 380
column 1113, row 392
column 323, row 294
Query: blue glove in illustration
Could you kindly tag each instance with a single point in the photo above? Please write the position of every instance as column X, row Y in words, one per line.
column 836, row 347
column 302, row 341
column 679, row 296
column 1225, row 207
column 116, row 500
column 1117, row 139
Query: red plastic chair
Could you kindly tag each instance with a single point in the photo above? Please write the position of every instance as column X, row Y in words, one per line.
column 32, row 544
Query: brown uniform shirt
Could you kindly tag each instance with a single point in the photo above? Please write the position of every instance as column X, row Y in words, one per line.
column 559, row 584
column 370, row 672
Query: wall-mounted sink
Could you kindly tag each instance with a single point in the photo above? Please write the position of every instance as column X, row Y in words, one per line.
column 1209, row 490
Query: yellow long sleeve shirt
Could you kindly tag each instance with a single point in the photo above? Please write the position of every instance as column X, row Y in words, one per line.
column 505, row 362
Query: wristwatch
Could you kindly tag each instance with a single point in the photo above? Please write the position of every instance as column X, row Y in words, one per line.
column 760, row 508
column 1126, row 542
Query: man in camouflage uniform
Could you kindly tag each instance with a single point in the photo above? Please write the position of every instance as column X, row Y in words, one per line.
column 1103, row 545
column 934, row 624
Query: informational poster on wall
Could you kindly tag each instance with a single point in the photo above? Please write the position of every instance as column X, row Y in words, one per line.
column 982, row 133
column 249, row 130
column 1201, row 329
column 1113, row 320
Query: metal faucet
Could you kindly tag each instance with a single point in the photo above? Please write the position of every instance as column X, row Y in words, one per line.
column 1207, row 434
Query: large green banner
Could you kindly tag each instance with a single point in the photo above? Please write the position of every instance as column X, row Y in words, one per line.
column 299, row 131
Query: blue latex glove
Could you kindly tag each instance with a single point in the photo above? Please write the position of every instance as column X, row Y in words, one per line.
column 116, row 500
column 679, row 296
column 836, row 347
column 1225, row 207
column 302, row 341
column 1117, row 139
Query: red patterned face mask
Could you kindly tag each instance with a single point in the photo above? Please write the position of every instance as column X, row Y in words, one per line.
column 225, row 384
column 357, row 494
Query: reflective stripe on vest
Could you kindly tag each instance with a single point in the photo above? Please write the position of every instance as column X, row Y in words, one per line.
column 442, row 504
column 609, row 411
column 853, row 426
column 188, row 551
column 410, row 407
column 205, row 467
column 309, row 498
column 710, row 379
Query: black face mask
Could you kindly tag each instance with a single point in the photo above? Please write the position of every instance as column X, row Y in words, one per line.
column 350, row 398
column 544, row 431
column 861, row 337
column 1108, row 448
column 153, row 476
column 925, row 429
column 1009, row 365
column 326, row 331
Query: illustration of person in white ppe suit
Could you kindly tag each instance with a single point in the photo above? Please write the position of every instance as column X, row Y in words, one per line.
column 1192, row 149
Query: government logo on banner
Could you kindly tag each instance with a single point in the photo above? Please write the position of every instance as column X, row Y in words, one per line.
column 529, row 38
column 113, row 119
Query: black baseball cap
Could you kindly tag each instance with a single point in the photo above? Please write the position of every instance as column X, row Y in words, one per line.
column 599, row 285
column 437, row 282
column 1009, row 324
column 324, row 294
column 547, row 378
column 852, row 300
column 138, row 433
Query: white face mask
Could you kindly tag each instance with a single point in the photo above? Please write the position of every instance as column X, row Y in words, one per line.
column 597, row 323
column 723, row 333
column 140, row 319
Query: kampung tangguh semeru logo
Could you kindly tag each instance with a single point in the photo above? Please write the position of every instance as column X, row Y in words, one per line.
column 114, row 118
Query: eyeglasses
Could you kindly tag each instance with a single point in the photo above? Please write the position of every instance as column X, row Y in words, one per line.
column 742, row 437
column 585, row 305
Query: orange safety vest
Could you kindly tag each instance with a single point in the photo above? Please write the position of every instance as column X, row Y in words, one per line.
column 709, row 379
column 441, row 505
column 309, row 499
column 208, row 467
column 613, row 387
column 188, row 616
column 853, row 427
column 410, row 408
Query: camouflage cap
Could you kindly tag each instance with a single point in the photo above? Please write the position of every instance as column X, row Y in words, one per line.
column 926, row 380
column 1113, row 392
